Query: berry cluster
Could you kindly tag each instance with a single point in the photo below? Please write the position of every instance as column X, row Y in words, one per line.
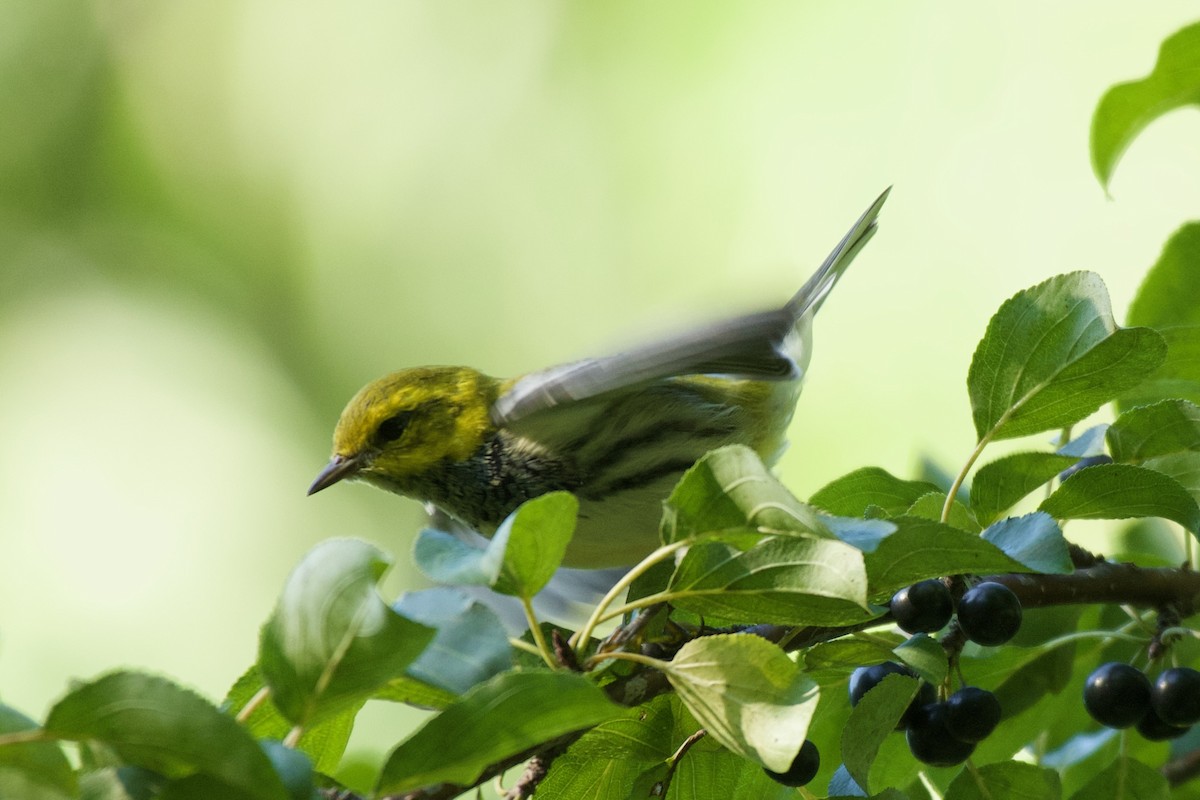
column 1120, row 696
column 939, row 733
column 989, row 613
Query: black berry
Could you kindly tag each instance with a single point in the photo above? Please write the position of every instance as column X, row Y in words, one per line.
column 972, row 714
column 803, row 769
column 1176, row 696
column 924, row 607
column 1117, row 695
column 931, row 741
column 1153, row 728
column 989, row 614
column 864, row 679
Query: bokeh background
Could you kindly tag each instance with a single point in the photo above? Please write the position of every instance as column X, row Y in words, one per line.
column 217, row 220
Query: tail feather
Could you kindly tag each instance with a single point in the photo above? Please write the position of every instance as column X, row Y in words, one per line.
column 816, row 288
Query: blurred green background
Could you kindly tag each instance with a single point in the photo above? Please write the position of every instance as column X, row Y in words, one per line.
column 217, row 220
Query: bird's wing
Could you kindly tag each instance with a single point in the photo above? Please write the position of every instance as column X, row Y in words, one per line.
column 750, row 346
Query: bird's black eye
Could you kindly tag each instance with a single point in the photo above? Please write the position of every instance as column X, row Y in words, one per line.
column 392, row 428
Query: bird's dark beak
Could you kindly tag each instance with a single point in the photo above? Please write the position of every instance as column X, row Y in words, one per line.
column 338, row 468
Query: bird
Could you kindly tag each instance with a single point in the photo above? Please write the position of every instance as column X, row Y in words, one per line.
column 617, row 431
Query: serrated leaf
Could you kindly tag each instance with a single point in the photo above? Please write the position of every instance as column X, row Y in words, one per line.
column 1121, row 491
column 332, row 641
column 926, row 656
column 871, row 721
column 534, row 539
column 1165, row 428
column 39, row 769
column 851, row 494
column 731, row 488
column 324, row 743
column 788, row 580
column 469, row 647
column 929, row 506
column 1166, row 302
column 846, row 654
column 1012, row 780
column 747, row 694
column 722, row 775
column 1035, row 540
column 504, row 716
column 413, row 692
column 1183, row 468
column 923, row 549
column 1052, row 355
column 1127, row 108
column 152, row 723
column 1000, row 484
column 1125, row 779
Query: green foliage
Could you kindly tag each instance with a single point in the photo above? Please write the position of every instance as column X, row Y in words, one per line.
column 332, row 641
column 747, row 694
column 673, row 706
column 502, row 717
column 1126, row 109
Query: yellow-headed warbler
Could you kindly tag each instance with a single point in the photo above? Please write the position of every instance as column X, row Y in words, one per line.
column 616, row 431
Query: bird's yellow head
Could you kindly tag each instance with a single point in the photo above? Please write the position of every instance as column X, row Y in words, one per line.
column 396, row 429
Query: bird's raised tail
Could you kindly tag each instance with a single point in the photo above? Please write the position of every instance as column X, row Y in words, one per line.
column 816, row 288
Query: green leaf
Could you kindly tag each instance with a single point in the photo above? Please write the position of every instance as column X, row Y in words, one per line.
column 923, row 549
column 851, row 494
column 1035, row 540
column 1121, row 491
column 926, row 656
column 1165, row 301
column 731, row 488
column 500, row 718
column 846, row 654
column 534, row 539
column 1127, row 108
column 413, row 692
column 1012, row 780
column 871, row 721
column 1125, row 779
column 118, row 783
column 788, row 580
column 1183, row 468
column 1000, row 484
column 1052, row 355
column 331, row 641
column 722, row 775
column 607, row 760
column 39, row 770
column 929, row 506
column 470, row 645
column 1165, row 428
column 1179, row 375
column 152, row 723
column 325, row 742
column 747, row 694
column 444, row 558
